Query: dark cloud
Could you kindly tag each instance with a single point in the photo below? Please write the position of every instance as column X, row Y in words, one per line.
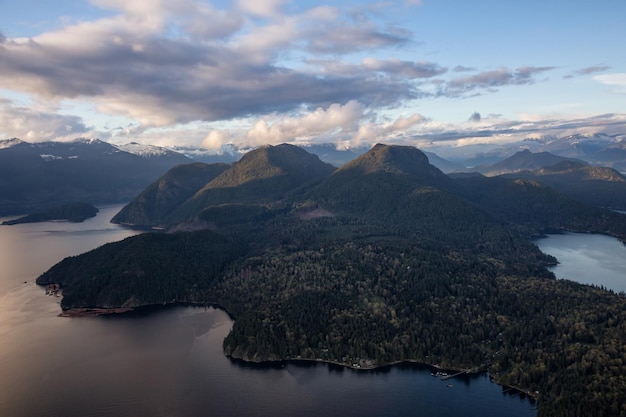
column 405, row 68
column 461, row 68
column 475, row 117
column 588, row 70
column 338, row 40
column 493, row 79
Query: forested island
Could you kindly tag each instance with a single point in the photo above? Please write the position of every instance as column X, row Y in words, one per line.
column 381, row 261
column 71, row 212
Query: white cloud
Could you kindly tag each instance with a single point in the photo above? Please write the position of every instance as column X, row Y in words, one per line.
column 617, row 79
column 335, row 121
column 216, row 139
column 263, row 8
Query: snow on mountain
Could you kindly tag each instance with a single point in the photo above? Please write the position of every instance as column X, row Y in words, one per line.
column 9, row 143
column 145, row 151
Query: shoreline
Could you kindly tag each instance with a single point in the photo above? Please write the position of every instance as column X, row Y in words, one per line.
column 76, row 312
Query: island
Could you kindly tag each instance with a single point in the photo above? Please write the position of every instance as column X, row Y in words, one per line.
column 71, row 212
column 382, row 261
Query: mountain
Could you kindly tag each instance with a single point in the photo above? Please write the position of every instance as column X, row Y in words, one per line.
column 155, row 203
column 584, row 147
column 261, row 179
column 523, row 160
column 443, row 164
column 35, row 176
column 155, row 154
column 72, row 212
column 381, row 261
column 384, row 174
column 530, row 206
column 597, row 186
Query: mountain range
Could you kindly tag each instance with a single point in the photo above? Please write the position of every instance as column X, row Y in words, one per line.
column 36, row 176
column 383, row 260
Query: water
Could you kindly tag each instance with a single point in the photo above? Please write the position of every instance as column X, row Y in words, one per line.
column 588, row 259
column 170, row 363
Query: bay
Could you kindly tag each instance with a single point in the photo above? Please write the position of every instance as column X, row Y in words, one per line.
column 170, row 362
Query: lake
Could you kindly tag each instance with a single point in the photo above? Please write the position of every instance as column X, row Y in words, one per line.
column 170, row 363
column 587, row 258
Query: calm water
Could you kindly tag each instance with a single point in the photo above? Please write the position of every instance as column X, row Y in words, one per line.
column 588, row 259
column 170, row 363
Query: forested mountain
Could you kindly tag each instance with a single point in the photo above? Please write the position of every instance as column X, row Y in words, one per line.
column 258, row 182
column 72, row 212
column 599, row 186
column 524, row 160
column 530, row 206
column 155, row 203
column 35, row 176
column 383, row 260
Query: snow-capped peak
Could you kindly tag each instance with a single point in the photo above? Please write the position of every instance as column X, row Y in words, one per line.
column 145, row 151
column 9, row 143
column 86, row 141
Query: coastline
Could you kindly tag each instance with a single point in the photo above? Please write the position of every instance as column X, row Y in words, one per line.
column 76, row 312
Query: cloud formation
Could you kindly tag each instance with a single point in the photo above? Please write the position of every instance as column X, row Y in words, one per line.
column 163, row 63
column 494, row 78
column 33, row 125
column 255, row 72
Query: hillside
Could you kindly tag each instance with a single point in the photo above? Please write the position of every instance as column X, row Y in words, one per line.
column 260, row 181
column 393, row 261
column 72, row 212
column 158, row 200
column 598, row 186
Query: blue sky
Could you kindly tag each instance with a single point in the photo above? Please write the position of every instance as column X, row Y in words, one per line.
column 251, row 72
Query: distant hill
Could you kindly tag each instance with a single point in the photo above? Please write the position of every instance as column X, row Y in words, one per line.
column 598, row 186
column 72, row 212
column 34, row 176
column 523, row 160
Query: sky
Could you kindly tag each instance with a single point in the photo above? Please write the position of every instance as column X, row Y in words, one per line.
column 430, row 73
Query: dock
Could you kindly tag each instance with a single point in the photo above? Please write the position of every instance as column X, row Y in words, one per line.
column 446, row 377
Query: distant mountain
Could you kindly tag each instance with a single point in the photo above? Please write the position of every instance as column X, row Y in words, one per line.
column 531, row 206
column 598, row 186
column 155, row 154
column 329, row 153
column 580, row 146
column 443, row 164
column 71, row 212
column 35, row 176
column 523, row 160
